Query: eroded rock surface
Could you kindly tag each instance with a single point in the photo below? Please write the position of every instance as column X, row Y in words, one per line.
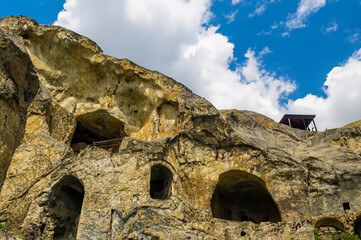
column 18, row 86
column 114, row 151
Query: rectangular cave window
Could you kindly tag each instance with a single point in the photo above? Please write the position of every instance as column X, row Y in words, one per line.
column 160, row 182
column 346, row 206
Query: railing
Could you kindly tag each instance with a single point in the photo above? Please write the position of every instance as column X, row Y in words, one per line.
column 108, row 143
column 77, row 147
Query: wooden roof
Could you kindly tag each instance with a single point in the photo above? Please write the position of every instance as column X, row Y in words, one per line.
column 300, row 121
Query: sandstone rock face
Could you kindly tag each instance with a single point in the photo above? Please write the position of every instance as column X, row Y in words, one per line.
column 18, row 86
column 114, row 151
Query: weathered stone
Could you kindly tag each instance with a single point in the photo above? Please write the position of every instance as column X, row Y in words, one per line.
column 18, row 86
column 114, row 151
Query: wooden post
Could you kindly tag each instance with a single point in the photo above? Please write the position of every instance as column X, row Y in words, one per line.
column 304, row 124
column 314, row 124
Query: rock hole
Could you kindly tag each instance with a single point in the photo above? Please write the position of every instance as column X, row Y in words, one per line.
column 64, row 208
column 25, row 36
column 42, row 228
column 346, row 206
column 97, row 128
column 160, row 182
column 241, row 196
column 59, row 233
column 329, row 225
column 357, row 226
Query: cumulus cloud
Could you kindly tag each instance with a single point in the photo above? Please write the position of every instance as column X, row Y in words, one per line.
column 249, row 87
column 342, row 103
column 304, row 10
column 174, row 37
column 148, row 32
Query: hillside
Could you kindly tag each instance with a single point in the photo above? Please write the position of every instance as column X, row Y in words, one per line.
column 95, row 147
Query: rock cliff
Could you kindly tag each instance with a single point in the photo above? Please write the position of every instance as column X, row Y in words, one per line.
column 18, row 86
column 96, row 147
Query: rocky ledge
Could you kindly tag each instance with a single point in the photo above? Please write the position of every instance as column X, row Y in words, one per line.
column 95, row 147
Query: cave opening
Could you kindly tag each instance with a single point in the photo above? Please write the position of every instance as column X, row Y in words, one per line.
column 64, row 208
column 329, row 225
column 357, row 226
column 241, row 196
column 160, row 182
column 346, row 206
column 99, row 129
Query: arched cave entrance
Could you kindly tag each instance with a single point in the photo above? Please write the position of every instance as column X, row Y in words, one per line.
column 160, row 182
column 97, row 128
column 329, row 225
column 65, row 203
column 241, row 196
column 357, row 226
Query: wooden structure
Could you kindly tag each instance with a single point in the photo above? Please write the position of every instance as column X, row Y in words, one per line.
column 77, row 147
column 106, row 144
column 299, row 121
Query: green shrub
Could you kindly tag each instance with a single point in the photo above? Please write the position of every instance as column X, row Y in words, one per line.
column 3, row 226
column 335, row 236
column 345, row 236
column 315, row 234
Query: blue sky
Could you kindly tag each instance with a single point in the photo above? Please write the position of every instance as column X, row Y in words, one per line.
column 309, row 53
column 43, row 11
column 268, row 56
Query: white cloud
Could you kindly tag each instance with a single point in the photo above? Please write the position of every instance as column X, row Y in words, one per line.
column 304, row 10
column 332, row 27
column 286, row 34
column 264, row 33
column 250, row 87
column 148, row 32
column 261, row 7
column 262, row 88
column 171, row 36
column 355, row 37
column 234, row 2
column 343, row 102
column 269, row 32
column 231, row 17
column 265, row 51
column 259, row 10
column 274, row 26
